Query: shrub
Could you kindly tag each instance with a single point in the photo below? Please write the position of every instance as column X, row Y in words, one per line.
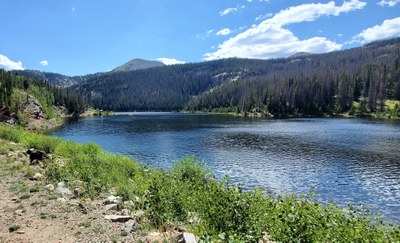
column 11, row 133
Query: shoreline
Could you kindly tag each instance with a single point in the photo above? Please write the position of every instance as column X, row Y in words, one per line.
column 169, row 200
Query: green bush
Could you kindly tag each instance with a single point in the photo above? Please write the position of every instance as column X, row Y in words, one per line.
column 40, row 142
column 11, row 133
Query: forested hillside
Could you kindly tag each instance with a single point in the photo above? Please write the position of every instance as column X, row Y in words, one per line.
column 56, row 79
column 22, row 98
column 357, row 80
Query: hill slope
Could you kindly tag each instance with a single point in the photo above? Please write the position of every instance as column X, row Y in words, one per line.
column 137, row 64
column 312, row 84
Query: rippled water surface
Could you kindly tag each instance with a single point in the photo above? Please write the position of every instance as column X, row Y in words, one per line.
column 344, row 160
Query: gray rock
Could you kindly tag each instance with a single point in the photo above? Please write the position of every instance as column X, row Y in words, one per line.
column 19, row 212
column 118, row 218
column 37, row 177
column 180, row 228
column 65, row 192
column 112, row 200
column 126, row 212
column 50, row 187
column 111, row 206
column 61, row 200
column 131, row 226
column 186, row 238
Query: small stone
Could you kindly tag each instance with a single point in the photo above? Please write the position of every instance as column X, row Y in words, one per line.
column 14, row 199
column 112, row 200
column 111, row 206
column 50, row 187
column 21, row 232
column 125, row 212
column 131, row 226
column 185, row 238
column 84, row 208
column 62, row 200
column 37, row 177
column 118, row 218
column 77, row 192
column 61, row 184
column 19, row 212
column 65, row 192
column 181, row 228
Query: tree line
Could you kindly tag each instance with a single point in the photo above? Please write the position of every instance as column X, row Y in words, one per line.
column 299, row 85
column 47, row 94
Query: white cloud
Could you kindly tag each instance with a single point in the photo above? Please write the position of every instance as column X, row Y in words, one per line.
column 263, row 16
column 389, row 28
column 169, row 61
column 340, row 34
column 228, row 11
column 311, row 12
column 389, row 3
column 231, row 10
column 44, row 63
column 7, row 64
column 225, row 31
column 270, row 39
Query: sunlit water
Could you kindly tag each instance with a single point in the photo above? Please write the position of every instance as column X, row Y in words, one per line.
column 344, row 160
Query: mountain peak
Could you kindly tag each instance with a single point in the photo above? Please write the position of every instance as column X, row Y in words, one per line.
column 136, row 64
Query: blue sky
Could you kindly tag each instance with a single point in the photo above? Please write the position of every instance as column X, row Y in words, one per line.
column 76, row 37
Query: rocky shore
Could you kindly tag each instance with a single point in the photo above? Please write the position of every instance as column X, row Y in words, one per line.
column 34, row 210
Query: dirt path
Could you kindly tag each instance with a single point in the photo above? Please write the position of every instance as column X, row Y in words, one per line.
column 30, row 212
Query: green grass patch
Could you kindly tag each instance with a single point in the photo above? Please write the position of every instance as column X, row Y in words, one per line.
column 190, row 195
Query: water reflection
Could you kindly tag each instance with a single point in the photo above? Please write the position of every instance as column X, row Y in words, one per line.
column 346, row 160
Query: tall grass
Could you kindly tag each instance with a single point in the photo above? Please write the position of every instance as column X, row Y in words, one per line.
column 190, row 195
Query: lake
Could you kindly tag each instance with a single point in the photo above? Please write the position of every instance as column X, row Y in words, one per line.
column 343, row 160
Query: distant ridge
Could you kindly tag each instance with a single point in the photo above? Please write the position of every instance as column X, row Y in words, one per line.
column 137, row 64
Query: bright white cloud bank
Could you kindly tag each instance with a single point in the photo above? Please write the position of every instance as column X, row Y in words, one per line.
column 270, row 39
column 8, row 65
column 44, row 63
column 389, row 28
column 169, row 61
column 390, row 3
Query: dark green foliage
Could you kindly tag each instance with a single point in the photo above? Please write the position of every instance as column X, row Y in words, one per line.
column 48, row 95
column 312, row 85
